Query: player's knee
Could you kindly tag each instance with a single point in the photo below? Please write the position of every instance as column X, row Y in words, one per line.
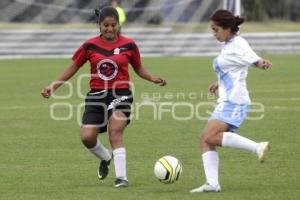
column 88, row 140
column 115, row 135
column 206, row 139
column 203, row 139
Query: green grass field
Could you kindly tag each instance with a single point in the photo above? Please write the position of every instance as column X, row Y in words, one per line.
column 42, row 158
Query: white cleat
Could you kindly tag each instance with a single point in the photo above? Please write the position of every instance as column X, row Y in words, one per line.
column 206, row 188
column 261, row 151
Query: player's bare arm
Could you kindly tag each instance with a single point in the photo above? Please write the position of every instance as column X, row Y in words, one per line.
column 143, row 73
column 64, row 76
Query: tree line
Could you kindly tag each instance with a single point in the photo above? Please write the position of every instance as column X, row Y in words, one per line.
column 261, row 10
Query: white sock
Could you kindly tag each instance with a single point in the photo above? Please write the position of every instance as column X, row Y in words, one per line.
column 211, row 167
column 120, row 162
column 234, row 140
column 100, row 151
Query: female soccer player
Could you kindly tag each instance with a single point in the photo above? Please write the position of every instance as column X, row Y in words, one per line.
column 109, row 101
column 231, row 67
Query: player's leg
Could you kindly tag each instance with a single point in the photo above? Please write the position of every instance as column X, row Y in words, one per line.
column 234, row 140
column 210, row 138
column 234, row 115
column 94, row 122
column 117, row 124
column 92, row 143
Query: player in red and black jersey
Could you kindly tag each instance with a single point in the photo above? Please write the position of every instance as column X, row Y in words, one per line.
column 107, row 105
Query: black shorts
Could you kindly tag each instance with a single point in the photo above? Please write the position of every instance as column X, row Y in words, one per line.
column 100, row 105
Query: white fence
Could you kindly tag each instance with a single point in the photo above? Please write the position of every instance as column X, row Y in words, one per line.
column 33, row 43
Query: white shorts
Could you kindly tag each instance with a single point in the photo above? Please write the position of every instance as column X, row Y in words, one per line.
column 231, row 113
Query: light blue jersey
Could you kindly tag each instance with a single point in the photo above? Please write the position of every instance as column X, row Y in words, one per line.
column 231, row 67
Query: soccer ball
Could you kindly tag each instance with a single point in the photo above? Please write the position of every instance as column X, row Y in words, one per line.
column 168, row 169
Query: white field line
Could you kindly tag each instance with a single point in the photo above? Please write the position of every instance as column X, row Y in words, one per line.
column 278, row 99
column 286, row 108
column 274, row 91
column 27, row 107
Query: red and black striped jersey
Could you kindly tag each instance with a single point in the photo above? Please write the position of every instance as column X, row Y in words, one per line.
column 108, row 61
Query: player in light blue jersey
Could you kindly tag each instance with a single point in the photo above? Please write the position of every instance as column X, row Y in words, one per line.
column 231, row 67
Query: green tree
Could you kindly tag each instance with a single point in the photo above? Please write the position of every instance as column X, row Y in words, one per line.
column 261, row 10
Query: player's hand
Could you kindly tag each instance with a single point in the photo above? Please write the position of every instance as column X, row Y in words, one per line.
column 212, row 88
column 47, row 91
column 159, row 80
column 263, row 64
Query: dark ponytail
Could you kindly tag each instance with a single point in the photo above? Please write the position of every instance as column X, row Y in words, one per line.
column 239, row 20
column 227, row 20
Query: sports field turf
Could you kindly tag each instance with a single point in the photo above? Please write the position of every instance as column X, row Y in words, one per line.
column 42, row 158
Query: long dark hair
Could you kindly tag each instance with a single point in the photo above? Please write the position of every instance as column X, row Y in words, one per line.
column 226, row 19
column 106, row 12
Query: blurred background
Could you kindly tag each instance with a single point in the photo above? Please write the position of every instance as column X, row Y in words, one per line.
column 144, row 11
column 160, row 27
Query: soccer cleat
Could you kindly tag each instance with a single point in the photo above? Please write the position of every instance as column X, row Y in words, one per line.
column 121, row 183
column 261, row 151
column 206, row 188
column 103, row 169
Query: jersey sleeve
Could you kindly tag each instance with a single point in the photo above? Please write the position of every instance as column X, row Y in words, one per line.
column 135, row 58
column 245, row 56
column 80, row 56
